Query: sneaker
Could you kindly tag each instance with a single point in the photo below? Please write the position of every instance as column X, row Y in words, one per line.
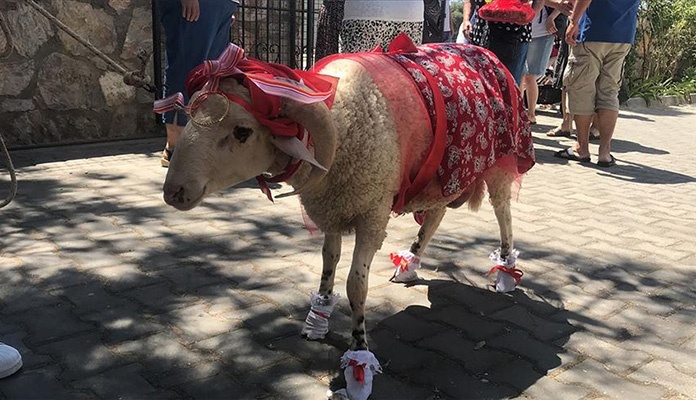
column 166, row 156
column 10, row 360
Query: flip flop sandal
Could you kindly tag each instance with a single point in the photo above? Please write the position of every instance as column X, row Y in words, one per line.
column 607, row 164
column 569, row 154
column 558, row 132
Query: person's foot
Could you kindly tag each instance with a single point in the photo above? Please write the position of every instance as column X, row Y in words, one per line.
column 606, row 164
column 572, row 155
column 166, row 157
column 558, row 132
column 10, row 360
column 532, row 119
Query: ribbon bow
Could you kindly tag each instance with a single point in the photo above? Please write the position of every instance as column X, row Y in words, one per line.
column 358, row 371
column 512, row 271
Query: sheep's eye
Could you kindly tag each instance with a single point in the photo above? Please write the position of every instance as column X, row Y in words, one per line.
column 242, row 133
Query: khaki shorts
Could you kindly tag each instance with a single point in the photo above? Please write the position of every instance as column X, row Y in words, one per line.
column 593, row 76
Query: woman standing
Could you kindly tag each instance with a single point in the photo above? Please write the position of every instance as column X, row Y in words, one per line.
column 371, row 23
column 538, row 54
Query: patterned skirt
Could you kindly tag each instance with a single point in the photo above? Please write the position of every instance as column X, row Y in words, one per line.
column 365, row 35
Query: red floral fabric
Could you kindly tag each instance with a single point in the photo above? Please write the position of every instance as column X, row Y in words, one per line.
column 486, row 123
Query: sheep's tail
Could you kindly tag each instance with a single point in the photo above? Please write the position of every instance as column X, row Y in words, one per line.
column 478, row 194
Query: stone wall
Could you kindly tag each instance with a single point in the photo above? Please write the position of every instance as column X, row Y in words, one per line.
column 53, row 90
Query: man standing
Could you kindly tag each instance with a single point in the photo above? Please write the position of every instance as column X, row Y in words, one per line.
column 600, row 35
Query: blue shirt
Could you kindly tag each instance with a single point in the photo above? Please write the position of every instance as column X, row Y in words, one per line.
column 612, row 21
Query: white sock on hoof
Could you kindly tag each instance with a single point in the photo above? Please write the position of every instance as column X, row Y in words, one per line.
column 360, row 367
column 317, row 322
column 406, row 264
column 507, row 277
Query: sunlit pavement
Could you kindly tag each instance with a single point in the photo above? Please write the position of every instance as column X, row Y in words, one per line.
column 109, row 293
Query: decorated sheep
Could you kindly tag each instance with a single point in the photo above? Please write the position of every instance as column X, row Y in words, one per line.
column 360, row 137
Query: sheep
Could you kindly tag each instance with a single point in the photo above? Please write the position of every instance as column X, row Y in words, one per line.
column 366, row 154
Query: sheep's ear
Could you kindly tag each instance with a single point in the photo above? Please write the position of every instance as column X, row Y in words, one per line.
column 294, row 147
column 317, row 119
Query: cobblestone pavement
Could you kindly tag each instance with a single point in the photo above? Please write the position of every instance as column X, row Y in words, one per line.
column 108, row 293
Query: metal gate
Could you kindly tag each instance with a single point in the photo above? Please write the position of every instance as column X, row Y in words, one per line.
column 278, row 31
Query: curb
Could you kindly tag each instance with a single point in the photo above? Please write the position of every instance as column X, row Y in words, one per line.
column 660, row 102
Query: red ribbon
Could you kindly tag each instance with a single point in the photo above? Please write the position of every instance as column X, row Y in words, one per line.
column 512, row 271
column 358, row 371
column 399, row 261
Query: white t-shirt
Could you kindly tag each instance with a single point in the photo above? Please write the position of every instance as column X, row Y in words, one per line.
column 384, row 10
column 539, row 24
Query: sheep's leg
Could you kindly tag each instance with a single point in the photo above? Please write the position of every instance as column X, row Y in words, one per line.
column 322, row 303
column 499, row 188
column 427, row 230
column 331, row 254
column 369, row 235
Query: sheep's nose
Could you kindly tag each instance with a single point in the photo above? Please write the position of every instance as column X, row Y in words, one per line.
column 173, row 194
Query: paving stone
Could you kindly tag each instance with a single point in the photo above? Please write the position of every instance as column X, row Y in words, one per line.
column 543, row 356
column 39, row 383
column 194, row 323
column 637, row 323
column 452, row 380
column 159, row 353
column 473, row 356
column 608, row 384
column 241, row 350
column 663, row 373
column 221, row 387
column 385, row 386
column 90, row 297
column 81, row 356
column 549, row 388
column 122, row 382
column 48, row 324
column 473, row 326
column 408, row 328
column 397, row 356
column 123, row 324
column 615, row 358
column 541, row 329
column 319, row 358
column 613, row 261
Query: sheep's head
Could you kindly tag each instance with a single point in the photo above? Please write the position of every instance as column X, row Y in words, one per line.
column 224, row 144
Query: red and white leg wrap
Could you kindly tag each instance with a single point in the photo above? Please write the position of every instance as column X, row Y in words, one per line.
column 406, row 264
column 360, row 367
column 507, row 277
column 317, row 321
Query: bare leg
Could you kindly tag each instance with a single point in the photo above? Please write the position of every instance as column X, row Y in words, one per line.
column 582, row 124
column 369, row 235
column 567, row 124
column 499, row 183
column 532, row 90
column 331, row 254
column 427, row 230
column 607, row 124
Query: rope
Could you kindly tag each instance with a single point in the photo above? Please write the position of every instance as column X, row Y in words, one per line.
column 13, row 178
column 132, row 78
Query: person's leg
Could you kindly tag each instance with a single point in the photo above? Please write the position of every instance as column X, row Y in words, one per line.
column 608, row 85
column 566, row 127
column 606, row 122
column 581, row 76
column 582, row 127
column 532, row 91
